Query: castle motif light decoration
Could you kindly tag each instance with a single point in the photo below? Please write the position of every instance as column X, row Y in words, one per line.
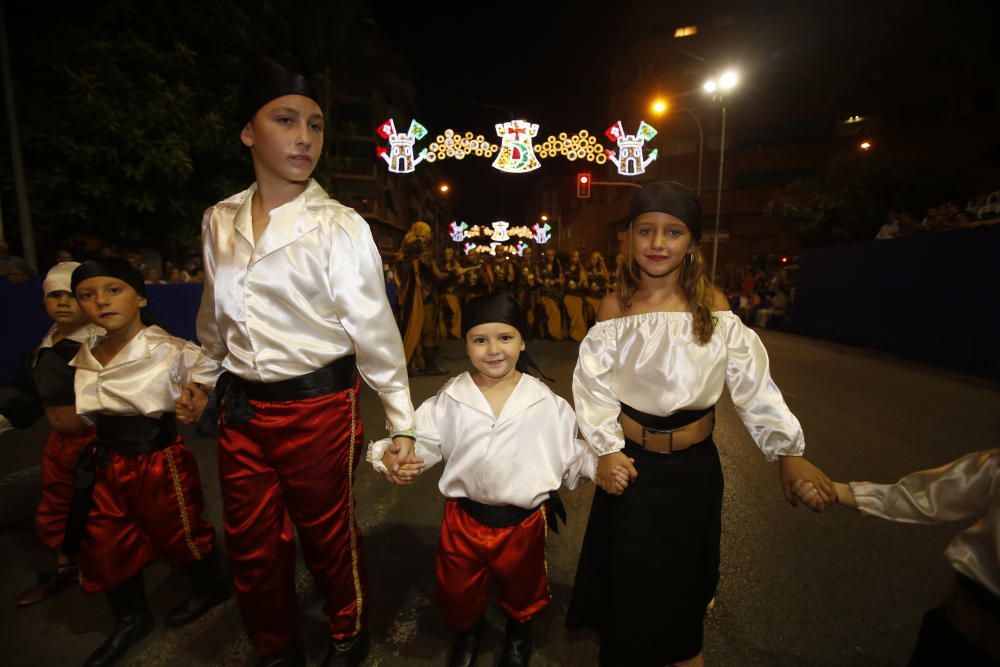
column 400, row 157
column 630, row 161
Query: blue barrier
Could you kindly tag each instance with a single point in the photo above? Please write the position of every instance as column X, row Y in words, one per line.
column 931, row 297
column 175, row 306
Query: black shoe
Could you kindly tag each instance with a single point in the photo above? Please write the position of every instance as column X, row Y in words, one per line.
column 206, row 592
column 48, row 584
column 517, row 649
column 347, row 652
column 198, row 602
column 291, row 656
column 132, row 622
column 465, row 650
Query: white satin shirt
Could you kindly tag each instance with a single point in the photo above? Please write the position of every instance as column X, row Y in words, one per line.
column 308, row 293
column 144, row 378
column 653, row 363
column 515, row 458
column 963, row 489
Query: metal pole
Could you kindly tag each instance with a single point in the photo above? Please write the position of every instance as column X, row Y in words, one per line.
column 701, row 145
column 718, row 196
column 23, row 213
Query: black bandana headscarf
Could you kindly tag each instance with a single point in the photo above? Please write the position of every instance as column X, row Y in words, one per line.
column 113, row 267
column 503, row 308
column 266, row 81
column 670, row 198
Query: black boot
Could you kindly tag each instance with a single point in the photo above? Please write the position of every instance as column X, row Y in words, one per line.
column 466, row 647
column 132, row 622
column 207, row 591
column 347, row 652
column 517, row 649
column 290, row 656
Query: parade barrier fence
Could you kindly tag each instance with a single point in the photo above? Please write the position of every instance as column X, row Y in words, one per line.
column 174, row 306
column 931, row 297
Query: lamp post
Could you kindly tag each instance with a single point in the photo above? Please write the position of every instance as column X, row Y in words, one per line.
column 717, row 89
column 660, row 106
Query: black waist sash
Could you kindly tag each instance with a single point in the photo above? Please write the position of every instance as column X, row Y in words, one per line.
column 502, row 516
column 234, row 393
column 128, row 435
column 677, row 420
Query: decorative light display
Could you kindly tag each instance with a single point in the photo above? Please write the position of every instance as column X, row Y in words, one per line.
column 400, row 157
column 542, row 232
column 631, row 162
column 495, row 238
column 581, row 146
column 456, row 230
column 517, row 156
column 458, row 146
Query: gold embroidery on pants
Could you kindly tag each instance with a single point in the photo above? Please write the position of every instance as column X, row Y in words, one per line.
column 181, row 504
column 350, row 518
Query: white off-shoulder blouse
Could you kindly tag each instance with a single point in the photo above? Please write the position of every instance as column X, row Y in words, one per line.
column 653, row 363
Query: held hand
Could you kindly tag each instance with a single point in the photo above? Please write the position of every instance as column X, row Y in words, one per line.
column 845, row 495
column 803, row 481
column 190, row 404
column 614, row 472
column 407, row 473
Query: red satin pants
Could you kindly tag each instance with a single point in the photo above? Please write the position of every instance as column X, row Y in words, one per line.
column 471, row 555
column 292, row 468
column 58, row 462
column 144, row 507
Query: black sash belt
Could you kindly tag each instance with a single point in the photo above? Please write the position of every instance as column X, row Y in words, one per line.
column 502, row 516
column 235, row 393
column 679, row 419
column 131, row 435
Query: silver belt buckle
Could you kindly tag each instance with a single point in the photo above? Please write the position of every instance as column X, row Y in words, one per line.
column 668, row 432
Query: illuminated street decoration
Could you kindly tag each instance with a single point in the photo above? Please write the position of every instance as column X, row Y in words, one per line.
column 456, row 231
column 500, row 231
column 542, row 232
column 630, row 162
column 517, row 156
column 458, row 146
column 580, row 146
column 400, row 157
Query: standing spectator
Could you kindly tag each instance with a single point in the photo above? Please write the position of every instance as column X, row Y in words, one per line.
column 9, row 262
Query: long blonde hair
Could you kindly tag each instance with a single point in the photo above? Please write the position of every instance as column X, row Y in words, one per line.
column 694, row 283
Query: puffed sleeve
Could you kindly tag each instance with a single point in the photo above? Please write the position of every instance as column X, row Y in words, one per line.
column 579, row 461
column 758, row 401
column 428, row 443
column 597, row 409
column 959, row 490
column 208, row 330
column 192, row 365
column 358, row 289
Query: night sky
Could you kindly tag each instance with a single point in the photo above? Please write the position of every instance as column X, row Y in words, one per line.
column 545, row 63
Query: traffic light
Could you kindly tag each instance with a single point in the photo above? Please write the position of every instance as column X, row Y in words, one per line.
column 583, row 186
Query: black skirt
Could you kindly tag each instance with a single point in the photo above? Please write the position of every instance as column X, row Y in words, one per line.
column 650, row 559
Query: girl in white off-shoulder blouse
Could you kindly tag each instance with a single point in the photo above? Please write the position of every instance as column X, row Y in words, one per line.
column 648, row 377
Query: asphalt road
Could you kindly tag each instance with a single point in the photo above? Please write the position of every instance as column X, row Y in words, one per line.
column 797, row 588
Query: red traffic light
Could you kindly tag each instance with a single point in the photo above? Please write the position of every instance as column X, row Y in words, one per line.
column 583, row 186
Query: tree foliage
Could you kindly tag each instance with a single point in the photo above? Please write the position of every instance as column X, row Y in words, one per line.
column 126, row 109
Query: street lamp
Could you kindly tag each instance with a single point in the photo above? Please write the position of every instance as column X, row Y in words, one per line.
column 717, row 88
column 443, row 188
column 661, row 106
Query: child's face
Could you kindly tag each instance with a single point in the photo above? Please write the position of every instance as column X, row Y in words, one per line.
column 62, row 307
column 494, row 349
column 109, row 302
column 285, row 138
column 659, row 243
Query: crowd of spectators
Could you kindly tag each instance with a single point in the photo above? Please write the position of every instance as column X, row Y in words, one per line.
column 946, row 217
column 761, row 296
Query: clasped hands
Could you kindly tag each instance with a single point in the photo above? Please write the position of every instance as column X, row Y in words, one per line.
column 401, row 462
column 191, row 403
